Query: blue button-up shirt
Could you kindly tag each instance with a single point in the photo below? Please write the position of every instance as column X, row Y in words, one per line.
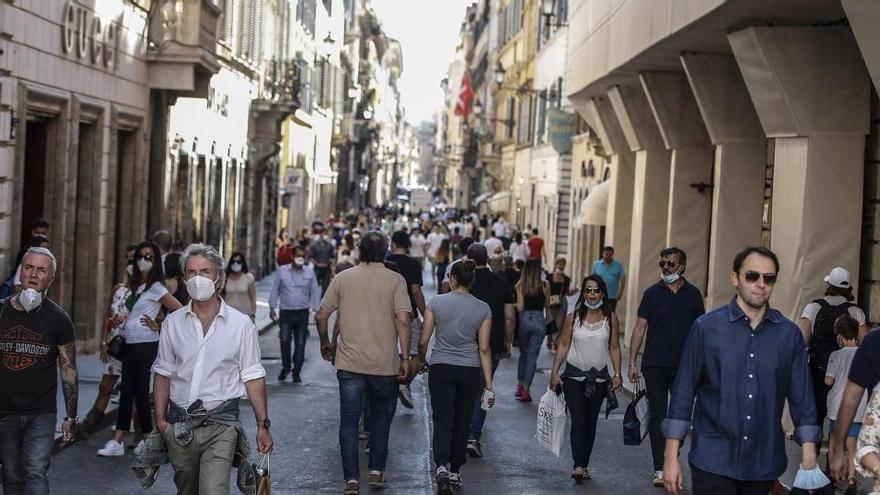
column 295, row 289
column 740, row 378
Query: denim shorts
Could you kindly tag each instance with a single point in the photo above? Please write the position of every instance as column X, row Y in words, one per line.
column 854, row 428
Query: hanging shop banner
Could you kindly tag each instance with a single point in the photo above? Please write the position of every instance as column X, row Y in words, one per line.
column 561, row 126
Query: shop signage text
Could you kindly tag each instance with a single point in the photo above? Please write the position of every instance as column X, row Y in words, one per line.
column 87, row 36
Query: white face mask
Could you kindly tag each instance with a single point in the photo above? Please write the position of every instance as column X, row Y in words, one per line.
column 129, row 270
column 200, row 288
column 299, row 261
column 236, row 267
column 594, row 306
column 30, row 299
column 144, row 265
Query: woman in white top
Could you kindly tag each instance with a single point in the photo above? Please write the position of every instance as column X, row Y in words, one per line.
column 590, row 339
column 148, row 296
column 240, row 291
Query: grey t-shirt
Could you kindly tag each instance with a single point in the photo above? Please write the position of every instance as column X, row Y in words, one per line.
column 457, row 320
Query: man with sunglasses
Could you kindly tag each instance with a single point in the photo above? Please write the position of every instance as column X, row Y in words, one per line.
column 740, row 364
column 666, row 313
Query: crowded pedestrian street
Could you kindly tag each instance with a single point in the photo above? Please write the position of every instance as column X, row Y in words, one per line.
column 305, row 459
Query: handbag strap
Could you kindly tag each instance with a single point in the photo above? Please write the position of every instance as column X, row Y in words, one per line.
column 263, row 459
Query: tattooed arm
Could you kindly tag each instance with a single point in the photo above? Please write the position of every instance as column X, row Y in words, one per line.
column 69, row 384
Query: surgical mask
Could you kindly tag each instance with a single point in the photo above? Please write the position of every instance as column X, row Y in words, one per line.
column 30, row 299
column 594, row 306
column 236, row 267
column 144, row 265
column 129, row 269
column 671, row 278
column 200, row 288
column 299, row 261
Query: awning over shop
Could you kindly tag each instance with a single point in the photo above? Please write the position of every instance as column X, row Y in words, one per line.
column 482, row 197
column 500, row 202
column 595, row 205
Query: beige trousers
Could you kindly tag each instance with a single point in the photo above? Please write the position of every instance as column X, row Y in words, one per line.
column 204, row 466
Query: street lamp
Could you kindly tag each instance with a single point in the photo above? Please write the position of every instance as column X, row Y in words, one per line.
column 499, row 73
column 547, row 10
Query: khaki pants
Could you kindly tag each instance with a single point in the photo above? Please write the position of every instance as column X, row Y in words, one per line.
column 203, row 467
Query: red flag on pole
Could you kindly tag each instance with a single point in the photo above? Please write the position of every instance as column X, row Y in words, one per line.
column 465, row 96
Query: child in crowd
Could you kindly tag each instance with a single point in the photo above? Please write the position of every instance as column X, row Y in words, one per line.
column 847, row 330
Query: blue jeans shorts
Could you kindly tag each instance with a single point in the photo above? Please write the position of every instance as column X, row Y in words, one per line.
column 854, row 428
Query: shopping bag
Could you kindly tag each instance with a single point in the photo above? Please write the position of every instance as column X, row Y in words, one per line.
column 635, row 419
column 551, row 422
column 261, row 471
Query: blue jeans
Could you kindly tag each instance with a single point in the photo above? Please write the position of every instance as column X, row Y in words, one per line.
column 293, row 324
column 532, row 330
column 381, row 392
column 479, row 415
column 26, row 443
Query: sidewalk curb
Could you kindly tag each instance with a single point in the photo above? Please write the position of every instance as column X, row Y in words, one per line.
column 110, row 416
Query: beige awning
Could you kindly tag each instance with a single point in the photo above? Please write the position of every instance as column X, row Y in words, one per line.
column 595, row 206
column 500, row 202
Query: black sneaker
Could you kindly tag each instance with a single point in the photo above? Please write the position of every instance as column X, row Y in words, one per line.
column 282, row 376
column 454, row 479
column 297, row 379
column 443, row 485
column 473, row 448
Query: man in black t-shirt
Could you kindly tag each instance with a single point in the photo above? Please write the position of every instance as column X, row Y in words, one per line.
column 666, row 314
column 412, row 273
column 36, row 339
column 492, row 289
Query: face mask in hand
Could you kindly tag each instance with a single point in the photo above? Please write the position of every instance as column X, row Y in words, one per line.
column 200, row 288
column 129, row 270
column 30, row 299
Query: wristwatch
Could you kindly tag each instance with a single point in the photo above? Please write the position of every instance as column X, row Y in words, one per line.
column 266, row 423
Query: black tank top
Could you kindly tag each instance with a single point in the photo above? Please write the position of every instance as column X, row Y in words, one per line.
column 534, row 303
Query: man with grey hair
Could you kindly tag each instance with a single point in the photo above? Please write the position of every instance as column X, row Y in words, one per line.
column 36, row 339
column 200, row 378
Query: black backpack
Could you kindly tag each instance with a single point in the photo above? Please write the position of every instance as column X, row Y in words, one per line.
column 823, row 341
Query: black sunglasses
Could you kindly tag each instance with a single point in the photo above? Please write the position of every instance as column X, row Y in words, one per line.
column 752, row 277
column 667, row 264
column 592, row 290
column 148, row 257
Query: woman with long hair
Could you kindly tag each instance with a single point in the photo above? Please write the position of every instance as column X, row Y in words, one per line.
column 590, row 338
column 148, row 296
column 461, row 351
column 558, row 290
column 174, row 281
column 531, row 297
column 348, row 247
column 240, row 291
column 441, row 260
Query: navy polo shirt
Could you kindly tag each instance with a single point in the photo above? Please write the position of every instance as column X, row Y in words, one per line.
column 670, row 317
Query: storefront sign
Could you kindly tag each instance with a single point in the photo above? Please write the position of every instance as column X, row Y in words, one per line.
column 561, row 126
column 86, row 35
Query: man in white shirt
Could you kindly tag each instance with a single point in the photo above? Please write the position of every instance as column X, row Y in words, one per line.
column 492, row 244
column 435, row 238
column 209, row 357
column 418, row 243
column 499, row 228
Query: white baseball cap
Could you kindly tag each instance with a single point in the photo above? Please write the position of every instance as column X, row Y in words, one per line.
column 839, row 277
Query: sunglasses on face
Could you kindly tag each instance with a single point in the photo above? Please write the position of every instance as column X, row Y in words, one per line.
column 752, row 277
column 148, row 257
column 592, row 290
column 667, row 264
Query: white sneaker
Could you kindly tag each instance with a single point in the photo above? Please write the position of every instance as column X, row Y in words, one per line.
column 112, row 449
column 140, row 447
